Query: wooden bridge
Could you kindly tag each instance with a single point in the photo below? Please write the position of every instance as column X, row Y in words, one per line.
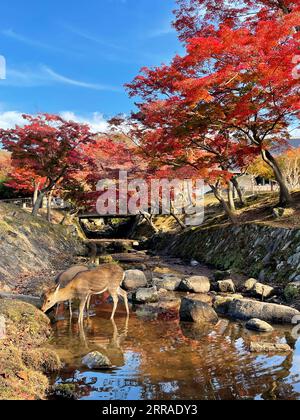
column 105, row 216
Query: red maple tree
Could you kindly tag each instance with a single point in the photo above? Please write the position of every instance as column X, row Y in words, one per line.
column 52, row 148
column 230, row 97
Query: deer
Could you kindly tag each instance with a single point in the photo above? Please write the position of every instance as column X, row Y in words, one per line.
column 64, row 278
column 107, row 277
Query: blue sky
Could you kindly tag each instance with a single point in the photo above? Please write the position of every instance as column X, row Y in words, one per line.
column 74, row 58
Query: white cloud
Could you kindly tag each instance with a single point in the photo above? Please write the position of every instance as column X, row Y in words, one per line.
column 9, row 119
column 68, row 81
column 46, row 76
column 9, row 33
column 96, row 121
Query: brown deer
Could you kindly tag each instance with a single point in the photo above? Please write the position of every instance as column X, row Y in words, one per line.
column 64, row 278
column 107, row 277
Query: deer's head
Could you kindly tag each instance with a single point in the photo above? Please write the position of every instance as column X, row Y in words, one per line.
column 50, row 299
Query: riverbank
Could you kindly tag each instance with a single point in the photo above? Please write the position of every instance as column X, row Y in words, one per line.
column 25, row 359
column 32, row 247
column 269, row 254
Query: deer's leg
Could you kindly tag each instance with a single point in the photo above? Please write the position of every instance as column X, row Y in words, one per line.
column 115, row 298
column 88, row 303
column 81, row 309
column 124, row 295
column 70, row 309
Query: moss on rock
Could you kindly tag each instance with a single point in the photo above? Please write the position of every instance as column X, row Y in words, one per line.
column 22, row 360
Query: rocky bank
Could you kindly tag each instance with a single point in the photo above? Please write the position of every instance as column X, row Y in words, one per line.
column 267, row 253
column 31, row 245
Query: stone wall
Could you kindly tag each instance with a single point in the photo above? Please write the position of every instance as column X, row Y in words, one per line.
column 30, row 245
column 268, row 253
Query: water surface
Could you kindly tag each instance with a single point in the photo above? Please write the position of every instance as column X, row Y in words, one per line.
column 158, row 358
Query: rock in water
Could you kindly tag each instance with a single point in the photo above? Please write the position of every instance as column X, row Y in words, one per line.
column 263, row 290
column 221, row 303
column 258, row 289
column 249, row 284
column 259, row 325
column 193, row 310
column 196, row 284
column 247, row 309
column 226, row 286
column 134, row 279
column 168, row 283
column 96, row 361
column 149, row 295
column 269, row 348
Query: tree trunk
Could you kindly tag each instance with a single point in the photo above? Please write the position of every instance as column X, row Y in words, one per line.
column 49, row 206
column 181, row 224
column 231, row 202
column 36, row 192
column 38, row 204
column 238, row 190
column 148, row 218
column 285, row 196
column 219, row 197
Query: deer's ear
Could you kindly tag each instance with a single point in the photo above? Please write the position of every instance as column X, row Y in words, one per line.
column 57, row 289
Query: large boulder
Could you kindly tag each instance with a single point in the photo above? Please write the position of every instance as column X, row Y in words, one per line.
column 149, row 295
column 134, row 279
column 226, row 286
column 247, row 309
column 196, row 284
column 96, row 361
column 194, row 310
column 259, row 325
column 169, row 283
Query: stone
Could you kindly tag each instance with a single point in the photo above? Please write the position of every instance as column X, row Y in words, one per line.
column 168, row 283
column 134, row 279
column 149, row 295
column 249, row 285
column 192, row 310
column 194, row 263
column 259, row 325
column 269, row 348
column 221, row 303
column 247, row 309
column 96, row 361
column 262, row 290
column 226, row 286
column 258, row 289
column 196, row 284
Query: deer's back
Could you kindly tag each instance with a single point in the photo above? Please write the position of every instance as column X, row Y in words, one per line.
column 67, row 276
column 106, row 276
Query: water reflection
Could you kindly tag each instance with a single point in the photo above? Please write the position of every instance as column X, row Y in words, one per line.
column 162, row 359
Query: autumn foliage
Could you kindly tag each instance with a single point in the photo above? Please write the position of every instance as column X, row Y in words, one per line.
column 230, row 98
